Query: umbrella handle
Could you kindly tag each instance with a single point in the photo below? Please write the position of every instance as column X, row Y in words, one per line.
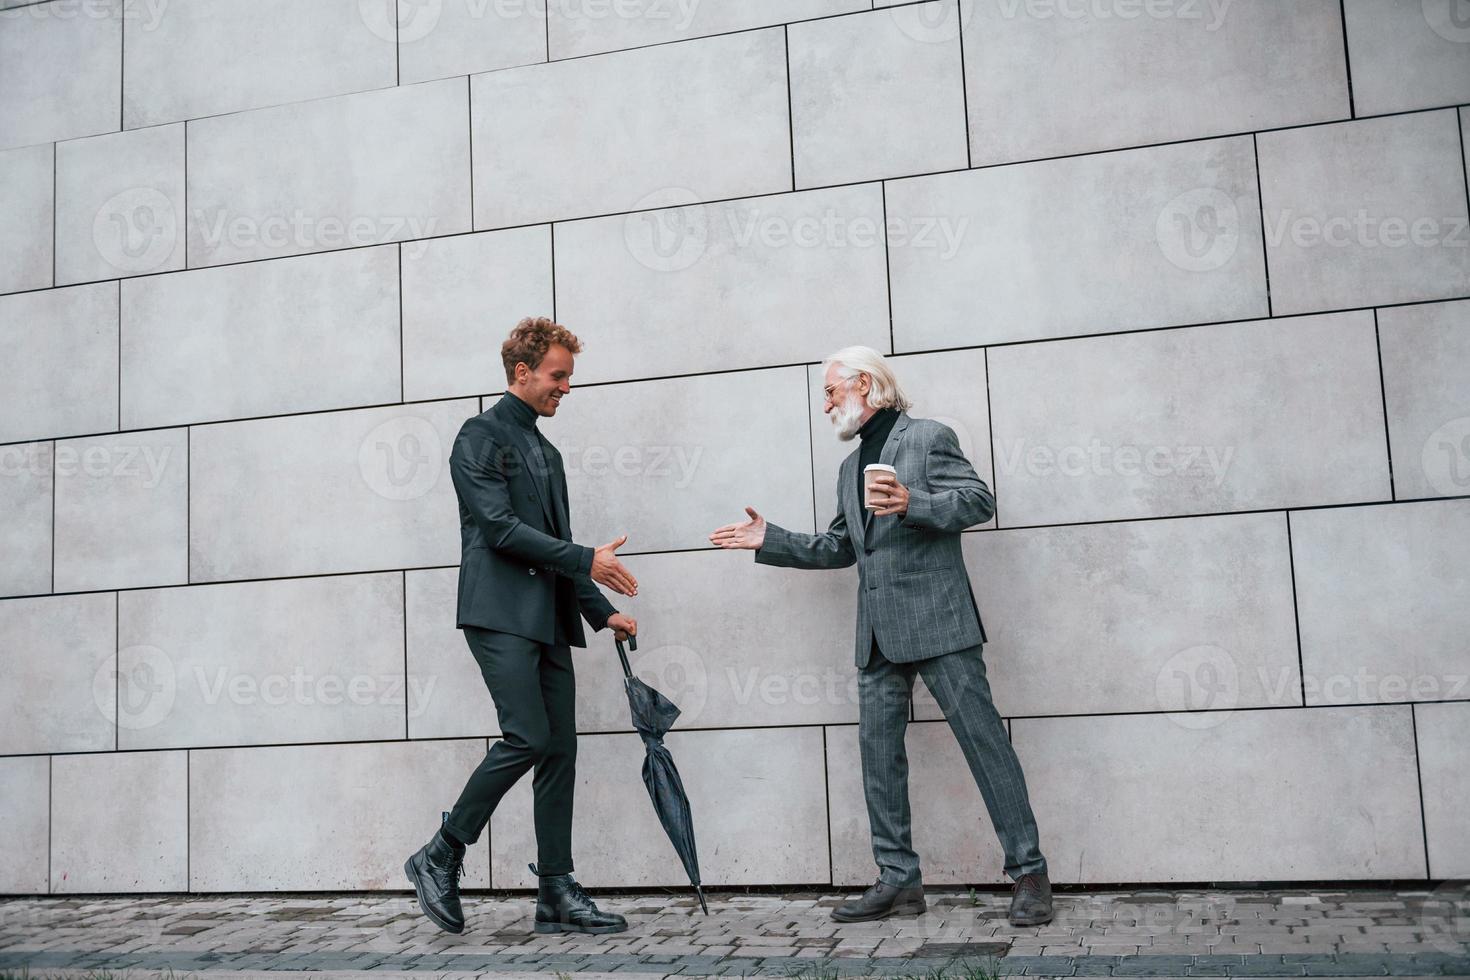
column 623, row 654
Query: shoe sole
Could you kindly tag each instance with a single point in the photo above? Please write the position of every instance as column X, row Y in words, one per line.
column 1031, row 922
column 910, row 909
column 418, row 894
column 548, row 927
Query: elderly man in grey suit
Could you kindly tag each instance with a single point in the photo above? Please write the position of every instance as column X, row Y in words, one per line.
column 916, row 614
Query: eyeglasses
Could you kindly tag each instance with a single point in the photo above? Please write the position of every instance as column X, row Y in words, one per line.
column 831, row 390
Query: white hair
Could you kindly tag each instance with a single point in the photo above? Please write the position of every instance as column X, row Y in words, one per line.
column 886, row 391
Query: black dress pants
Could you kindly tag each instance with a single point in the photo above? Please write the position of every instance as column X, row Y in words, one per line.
column 535, row 694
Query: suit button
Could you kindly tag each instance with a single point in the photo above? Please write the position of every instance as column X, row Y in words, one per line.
column 531, row 570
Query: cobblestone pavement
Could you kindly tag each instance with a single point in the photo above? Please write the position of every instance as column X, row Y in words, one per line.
column 1313, row 933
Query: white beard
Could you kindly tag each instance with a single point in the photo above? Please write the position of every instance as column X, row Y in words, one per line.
column 848, row 418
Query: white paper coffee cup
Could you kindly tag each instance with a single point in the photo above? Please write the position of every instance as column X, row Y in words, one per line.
column 869, row 487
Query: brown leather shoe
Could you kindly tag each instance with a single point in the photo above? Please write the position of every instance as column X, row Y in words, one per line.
column 881, row 901
column 1031, row 901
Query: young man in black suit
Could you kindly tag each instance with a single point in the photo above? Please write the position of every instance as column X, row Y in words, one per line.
column 522, row 584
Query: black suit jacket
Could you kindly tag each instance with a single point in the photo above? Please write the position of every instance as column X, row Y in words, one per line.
column 513, row 564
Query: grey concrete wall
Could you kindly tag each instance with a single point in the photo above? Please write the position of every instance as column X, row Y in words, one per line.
column 1190, row 282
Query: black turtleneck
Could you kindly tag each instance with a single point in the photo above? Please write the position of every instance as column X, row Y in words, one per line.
column 873, row 434
column 520, row 412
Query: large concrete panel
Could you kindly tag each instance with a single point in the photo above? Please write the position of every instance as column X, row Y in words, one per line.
column 578, row 28
column 25, row 807
column 1047, row 79
column 122, row 511
column 1365, row 213
column 714, row 287
column 26, row 199
column 1175, row 615
column 120, row 822
column 58, row 362
column 1062, row 247
column 1236, row 416
column 699, row 121
column 322, row 817
column 60, row 693
column 120, row 205
column 1426, row 359
column 61, row 71
column 1441, row 733
column 208, row 57
column 1380, row 593
column 1407, row 54
column 296, row 660
column 301, row 334
column 872, row 96
column 1170, row 803
column 952, row 831
column 335, row 492
column 461, row 297
column 461, row 37
column 26, row 482
column 732, row 643
column 738, row 783
column 337, row 173
column 666, row 462
column 447, row 697
column 948, row 387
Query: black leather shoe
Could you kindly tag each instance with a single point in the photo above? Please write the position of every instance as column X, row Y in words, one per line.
column 435, row 871
column 562, row 906
column 881, row 901
column 1031, row 901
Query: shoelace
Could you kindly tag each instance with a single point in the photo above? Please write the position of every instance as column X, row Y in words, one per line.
column 1031, row 883
column 454, row 871
column 578, row 893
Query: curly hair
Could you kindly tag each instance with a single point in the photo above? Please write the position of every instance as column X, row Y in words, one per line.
column 530, row 340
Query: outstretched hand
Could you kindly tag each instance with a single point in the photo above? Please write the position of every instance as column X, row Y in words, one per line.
column 609, row 571
column 749, row 536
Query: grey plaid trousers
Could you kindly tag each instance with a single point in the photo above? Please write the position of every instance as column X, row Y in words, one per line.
column 958, row 682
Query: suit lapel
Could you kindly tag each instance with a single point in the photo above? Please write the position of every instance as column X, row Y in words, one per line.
column 847, row 498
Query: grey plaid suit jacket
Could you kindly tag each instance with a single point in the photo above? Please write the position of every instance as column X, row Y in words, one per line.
column 914, row 594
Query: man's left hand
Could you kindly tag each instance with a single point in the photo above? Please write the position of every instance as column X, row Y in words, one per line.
column 622, row 626
column 891, row 496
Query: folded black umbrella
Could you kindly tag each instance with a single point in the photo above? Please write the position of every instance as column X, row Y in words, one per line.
column 653, row 716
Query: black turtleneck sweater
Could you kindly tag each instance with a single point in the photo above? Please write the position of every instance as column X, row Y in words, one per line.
column 873, row 434
column 523, row 415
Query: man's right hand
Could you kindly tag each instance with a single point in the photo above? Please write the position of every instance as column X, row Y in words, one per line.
column 609, row 571
column 750, row 535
